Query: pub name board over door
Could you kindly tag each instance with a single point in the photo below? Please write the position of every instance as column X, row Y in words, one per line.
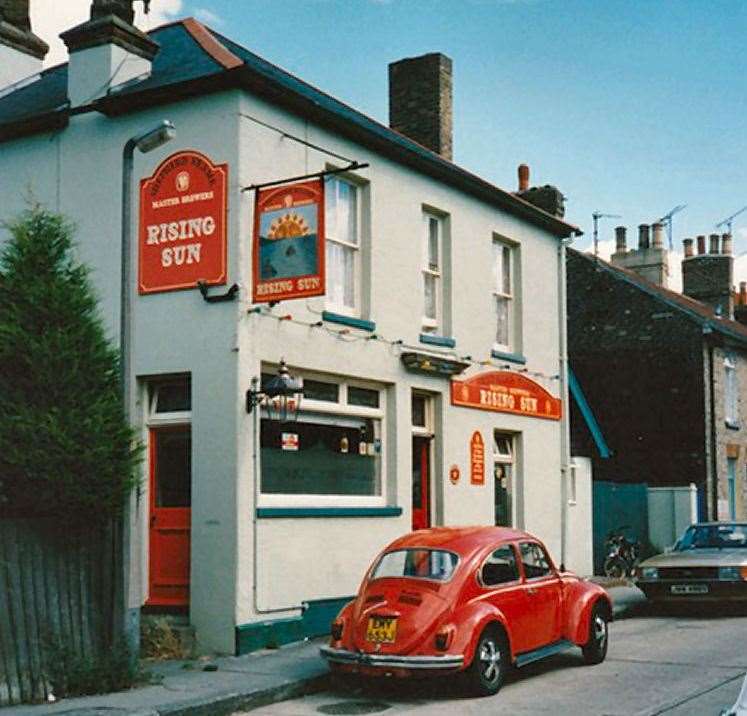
column 183, row 224
column 505, row 392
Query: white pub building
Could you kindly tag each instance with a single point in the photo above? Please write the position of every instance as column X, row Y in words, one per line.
column 418, row 308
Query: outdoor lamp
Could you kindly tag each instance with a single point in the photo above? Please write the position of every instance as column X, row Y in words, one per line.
column 281, row 395
column 148, row 141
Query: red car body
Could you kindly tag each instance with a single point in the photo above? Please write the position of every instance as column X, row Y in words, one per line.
column 472, row 599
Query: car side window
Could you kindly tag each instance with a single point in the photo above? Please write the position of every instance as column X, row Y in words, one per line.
column 534, row 559
column 500, row 567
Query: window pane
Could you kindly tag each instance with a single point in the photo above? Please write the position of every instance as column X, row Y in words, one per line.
column 349, row 212
column 335, row 277
column 534, row 560
column 506, row 271
column 500, row 567
column 318, row 390
column 433, row 226
column 502, row 445
column 423, row 563
column 502, row 320
column 174, row 396
column 330, row 207
column 349, row 276
column 429, row 296
column 322, row 459
column 363, row 396
column 418, row 411
column 173, row 468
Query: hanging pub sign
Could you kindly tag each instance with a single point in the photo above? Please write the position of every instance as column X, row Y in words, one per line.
column 183, row 224
column 477, row 459
column 288, row 252
column 505, row 392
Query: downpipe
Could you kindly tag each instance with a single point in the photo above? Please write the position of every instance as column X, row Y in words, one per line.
column 565, row 438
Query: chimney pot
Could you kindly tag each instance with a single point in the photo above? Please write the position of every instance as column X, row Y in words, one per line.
column 523, row 177
column 658, row 235
column 420, row 101
column 714, row 243
column 621, row 242
column 687, row 245
column 643, row 236
column 701, row 245
column 726, row 244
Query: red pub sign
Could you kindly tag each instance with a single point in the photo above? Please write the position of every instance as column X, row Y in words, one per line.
column 183, row 224
column 505, row 392
column 477, row 459
column 288, row 252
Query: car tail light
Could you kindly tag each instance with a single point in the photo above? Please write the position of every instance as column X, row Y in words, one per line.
column 336, row 630
column 743, row 572
column 443, row 638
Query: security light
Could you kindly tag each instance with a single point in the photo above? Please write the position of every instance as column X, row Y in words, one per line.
column 155, row 138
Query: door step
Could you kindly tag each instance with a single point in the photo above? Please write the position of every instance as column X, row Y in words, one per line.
column 543, row 652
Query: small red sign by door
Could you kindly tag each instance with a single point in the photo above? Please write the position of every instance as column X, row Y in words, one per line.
column 477, row 459
column 505, row 392
column 183, row 224
column 454, row 474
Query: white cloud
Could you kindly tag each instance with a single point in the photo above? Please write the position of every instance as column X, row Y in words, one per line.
column 51, row 17
column 208, row 17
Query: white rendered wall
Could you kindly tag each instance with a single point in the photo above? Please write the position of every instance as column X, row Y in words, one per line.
column 16, row 66
column 580, row 548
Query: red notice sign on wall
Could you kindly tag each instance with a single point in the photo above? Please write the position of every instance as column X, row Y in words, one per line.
column 505, row 392
column 183, row 224
column 288, row 253
column 477, row 459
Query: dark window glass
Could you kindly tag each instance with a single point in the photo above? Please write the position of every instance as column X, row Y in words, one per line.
column 307, row 458
column 173, row 468
column 174, row 396
column 418, row 411
column 500, row 567
column 317, row 390
column 424, row 563
column 534, row 559
column 363, row 396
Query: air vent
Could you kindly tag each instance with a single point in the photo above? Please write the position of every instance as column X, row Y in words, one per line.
column 374, row 598
column 410, row 598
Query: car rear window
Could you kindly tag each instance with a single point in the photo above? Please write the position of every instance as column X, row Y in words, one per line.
column 418, row 563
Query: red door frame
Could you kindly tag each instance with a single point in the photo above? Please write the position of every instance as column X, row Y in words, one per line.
column 168, row 539
column 421, row 514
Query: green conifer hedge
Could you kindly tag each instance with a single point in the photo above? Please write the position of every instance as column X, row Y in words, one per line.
column 66, row 450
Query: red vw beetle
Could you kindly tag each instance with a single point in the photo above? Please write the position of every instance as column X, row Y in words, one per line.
column 474, row 600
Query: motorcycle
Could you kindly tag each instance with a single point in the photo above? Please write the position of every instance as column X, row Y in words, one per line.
column 622, row 555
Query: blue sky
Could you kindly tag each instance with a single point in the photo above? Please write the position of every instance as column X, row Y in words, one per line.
column 629, row 107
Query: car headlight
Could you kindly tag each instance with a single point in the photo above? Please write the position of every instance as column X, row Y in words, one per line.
column 649, row 573
column 731, row 574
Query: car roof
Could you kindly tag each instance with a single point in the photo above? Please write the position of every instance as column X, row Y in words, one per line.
column 462, row 540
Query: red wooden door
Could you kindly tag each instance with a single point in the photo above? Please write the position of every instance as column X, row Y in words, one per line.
column 170, row 515
column 421, row 449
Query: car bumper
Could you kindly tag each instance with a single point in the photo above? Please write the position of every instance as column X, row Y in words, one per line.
column 391, row 661
column 661, row 590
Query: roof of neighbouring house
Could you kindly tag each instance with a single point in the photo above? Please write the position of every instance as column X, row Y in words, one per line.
column 194, row 60
column 701, row 313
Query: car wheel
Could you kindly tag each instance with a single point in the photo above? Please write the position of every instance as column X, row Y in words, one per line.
column 615, row 567
column 595, row 649
column 490, row 663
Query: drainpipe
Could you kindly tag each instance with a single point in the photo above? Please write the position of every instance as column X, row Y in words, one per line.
column 255, row 523
column 712, row 475
column 565, row 435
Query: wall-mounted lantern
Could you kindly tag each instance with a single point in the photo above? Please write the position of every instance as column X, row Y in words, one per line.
column 280, row 396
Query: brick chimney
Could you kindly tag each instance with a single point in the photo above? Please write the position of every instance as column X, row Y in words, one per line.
column 740, row 303
column 21, row 51
column 420, row 101
column 708, row 276
column 548, row 198
column 106, row 51
column 650, row 259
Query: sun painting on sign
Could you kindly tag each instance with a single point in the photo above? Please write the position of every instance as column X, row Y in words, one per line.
column 288, row 242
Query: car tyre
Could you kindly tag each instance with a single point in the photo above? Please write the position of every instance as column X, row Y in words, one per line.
column 615, row 567
column 595, row 649
column 491, row 662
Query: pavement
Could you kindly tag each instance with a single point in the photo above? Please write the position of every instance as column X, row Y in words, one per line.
column 224, row 685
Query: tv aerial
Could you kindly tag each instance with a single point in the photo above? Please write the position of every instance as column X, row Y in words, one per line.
column 596, row 215
column 667, row 219
column 729, row 220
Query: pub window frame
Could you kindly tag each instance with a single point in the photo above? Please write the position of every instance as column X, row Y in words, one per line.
column 504, row 290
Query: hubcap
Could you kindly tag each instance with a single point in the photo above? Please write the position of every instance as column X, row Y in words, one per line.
column 490, row 657
column 600, row 632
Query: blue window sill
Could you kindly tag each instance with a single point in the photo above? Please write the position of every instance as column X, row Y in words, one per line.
column 433, row 340
column 274, row 512
column 732, row 426
column 361, row 323
column 510, row 357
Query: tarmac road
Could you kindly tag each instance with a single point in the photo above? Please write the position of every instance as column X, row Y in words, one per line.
column 691, row 664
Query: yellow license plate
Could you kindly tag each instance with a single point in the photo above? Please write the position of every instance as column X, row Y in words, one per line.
column 382, row 629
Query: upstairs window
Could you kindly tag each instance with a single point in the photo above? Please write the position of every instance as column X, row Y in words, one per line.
column 503, row 294
column 432, row 271
column 342, row 229
column 731, row 400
